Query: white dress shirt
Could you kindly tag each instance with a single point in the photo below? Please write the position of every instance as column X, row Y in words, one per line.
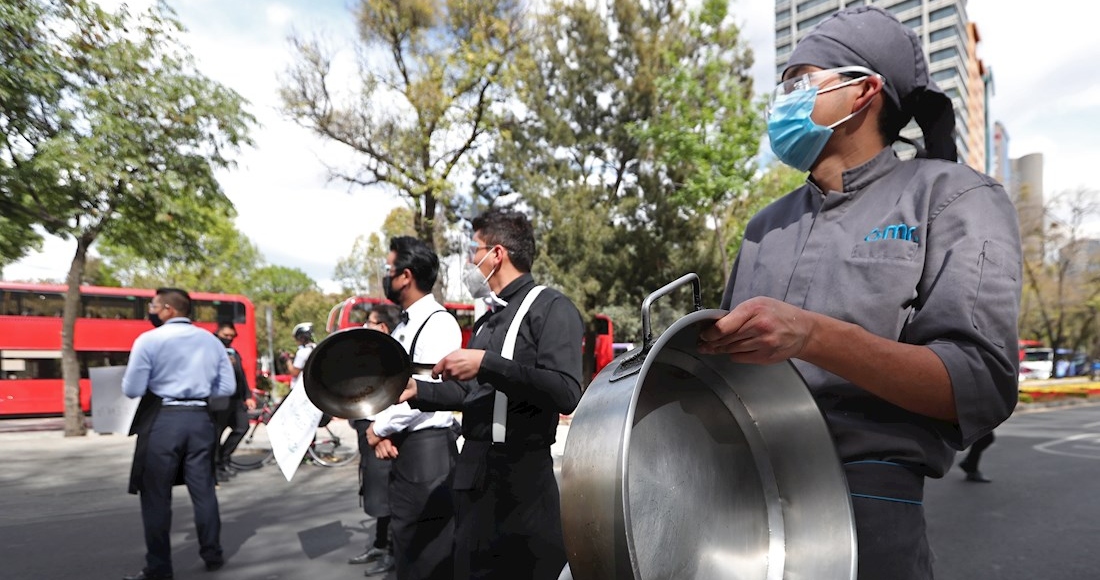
column 440, row 337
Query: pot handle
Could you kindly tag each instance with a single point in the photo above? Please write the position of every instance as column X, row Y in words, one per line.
column 647, row 332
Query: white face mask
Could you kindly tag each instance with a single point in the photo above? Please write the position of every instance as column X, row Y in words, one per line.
column 477, row 284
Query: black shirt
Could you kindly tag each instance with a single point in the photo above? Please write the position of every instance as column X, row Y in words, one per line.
column 541, row 381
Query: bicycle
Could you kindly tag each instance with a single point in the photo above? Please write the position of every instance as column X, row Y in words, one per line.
column 329, row 448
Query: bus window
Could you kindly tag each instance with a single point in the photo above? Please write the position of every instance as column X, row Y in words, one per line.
column 101, row 359
column 217, row 311
column 41, row 304
column 9, row 303
column 31, row 364
column 113, row 307
column 359, row 313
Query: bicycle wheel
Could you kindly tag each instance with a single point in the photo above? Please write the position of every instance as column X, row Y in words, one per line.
column 334, row 445
column 254, row 451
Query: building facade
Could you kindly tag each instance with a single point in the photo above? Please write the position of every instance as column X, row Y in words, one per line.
column 950, row 44
column 1025, row 187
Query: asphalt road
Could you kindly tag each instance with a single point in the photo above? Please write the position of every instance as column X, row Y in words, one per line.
column 65, row 512
column 1040, row 518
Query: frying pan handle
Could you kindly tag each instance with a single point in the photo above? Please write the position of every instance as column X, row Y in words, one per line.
column 647, row 331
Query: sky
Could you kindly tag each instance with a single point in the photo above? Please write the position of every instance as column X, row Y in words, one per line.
column 1043, row 94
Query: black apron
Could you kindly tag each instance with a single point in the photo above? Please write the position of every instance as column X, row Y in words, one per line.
column 144, row 417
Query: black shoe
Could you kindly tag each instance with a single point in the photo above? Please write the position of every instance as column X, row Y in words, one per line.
column 384, row 564
column 976, row 476
column 221, row 476
column 372, row 554
column 212, row 565
column 147, row 575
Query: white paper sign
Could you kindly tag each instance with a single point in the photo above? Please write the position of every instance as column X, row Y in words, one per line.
column 112, row 411
column 291, row 430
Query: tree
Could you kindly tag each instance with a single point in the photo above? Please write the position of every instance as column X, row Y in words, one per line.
column 221, row 260
column 1061, row 298
column 414, row 118
column 632, row 146
column 705, row 131
column 118, row 139
column 27, row 75
column 276, row 287
column 360, row 272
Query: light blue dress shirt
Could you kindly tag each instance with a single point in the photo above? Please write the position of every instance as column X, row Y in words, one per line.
column 178, row 361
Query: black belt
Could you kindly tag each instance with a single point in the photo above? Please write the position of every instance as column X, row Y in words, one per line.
column 174, row 408
column 439, row 432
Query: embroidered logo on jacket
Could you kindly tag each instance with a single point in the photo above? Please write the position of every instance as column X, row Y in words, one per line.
column 893, row 232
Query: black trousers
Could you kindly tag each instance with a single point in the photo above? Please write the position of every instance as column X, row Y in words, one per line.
column 970, row 462
column 421, row 505
column 888, row 505
column 236, row 418
column 891, row 540
column 180, row 439
column 510, row 526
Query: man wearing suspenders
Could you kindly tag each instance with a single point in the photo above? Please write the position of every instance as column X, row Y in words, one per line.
column 421, row 444
column 521, row 370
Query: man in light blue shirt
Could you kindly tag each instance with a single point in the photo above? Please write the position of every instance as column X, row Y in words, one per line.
column 175, row 368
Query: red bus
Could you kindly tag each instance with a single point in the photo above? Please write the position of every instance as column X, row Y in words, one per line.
column 354, row 311
column 108, row 322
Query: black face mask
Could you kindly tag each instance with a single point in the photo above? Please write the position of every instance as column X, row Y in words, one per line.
column 391, row 294
column 155, row 320
column 226, row 341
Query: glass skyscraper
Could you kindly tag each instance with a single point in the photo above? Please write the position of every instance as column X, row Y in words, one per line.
column 950, row 45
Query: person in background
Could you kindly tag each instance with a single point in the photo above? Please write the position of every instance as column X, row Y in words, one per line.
column 175, row 368
column 303, row 335
column 374, row 473
column 511, row 393
column 969, row 464
column 422, row 445
column 232, row 411
column 892, row 285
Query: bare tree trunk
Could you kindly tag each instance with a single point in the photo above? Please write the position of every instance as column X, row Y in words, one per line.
column 70, row 365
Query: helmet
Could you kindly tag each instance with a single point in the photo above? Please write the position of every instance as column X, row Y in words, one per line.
column 304, row 331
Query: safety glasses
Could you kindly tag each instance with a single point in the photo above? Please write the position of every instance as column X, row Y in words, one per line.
column 819, row 79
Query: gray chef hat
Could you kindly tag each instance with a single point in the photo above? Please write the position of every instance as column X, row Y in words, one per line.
column 871, row 37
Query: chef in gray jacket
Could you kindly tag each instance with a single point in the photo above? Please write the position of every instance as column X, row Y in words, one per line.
column 893, row 286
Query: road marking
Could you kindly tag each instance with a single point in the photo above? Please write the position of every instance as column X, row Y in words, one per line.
column 1089, row 441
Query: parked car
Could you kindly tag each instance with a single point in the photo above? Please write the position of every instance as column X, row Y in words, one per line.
column 1038, row 363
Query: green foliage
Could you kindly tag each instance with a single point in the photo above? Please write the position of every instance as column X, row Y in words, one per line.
column 633, row 149
column 108, row 132
column 98, row 273
column 281, row 288
column 1061, row 288
column 312, row 306
column 278, row 285
column 221, row 260
column 360, row 273
column 415, row 117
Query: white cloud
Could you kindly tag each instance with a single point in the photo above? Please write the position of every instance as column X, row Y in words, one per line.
column 279, row 15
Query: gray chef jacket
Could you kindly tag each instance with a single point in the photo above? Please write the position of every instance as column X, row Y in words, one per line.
column 923, row 252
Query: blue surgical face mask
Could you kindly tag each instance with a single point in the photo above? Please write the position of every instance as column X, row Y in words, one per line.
column 794, row 136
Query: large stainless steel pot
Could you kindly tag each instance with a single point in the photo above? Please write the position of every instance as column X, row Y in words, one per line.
column 688, row 466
